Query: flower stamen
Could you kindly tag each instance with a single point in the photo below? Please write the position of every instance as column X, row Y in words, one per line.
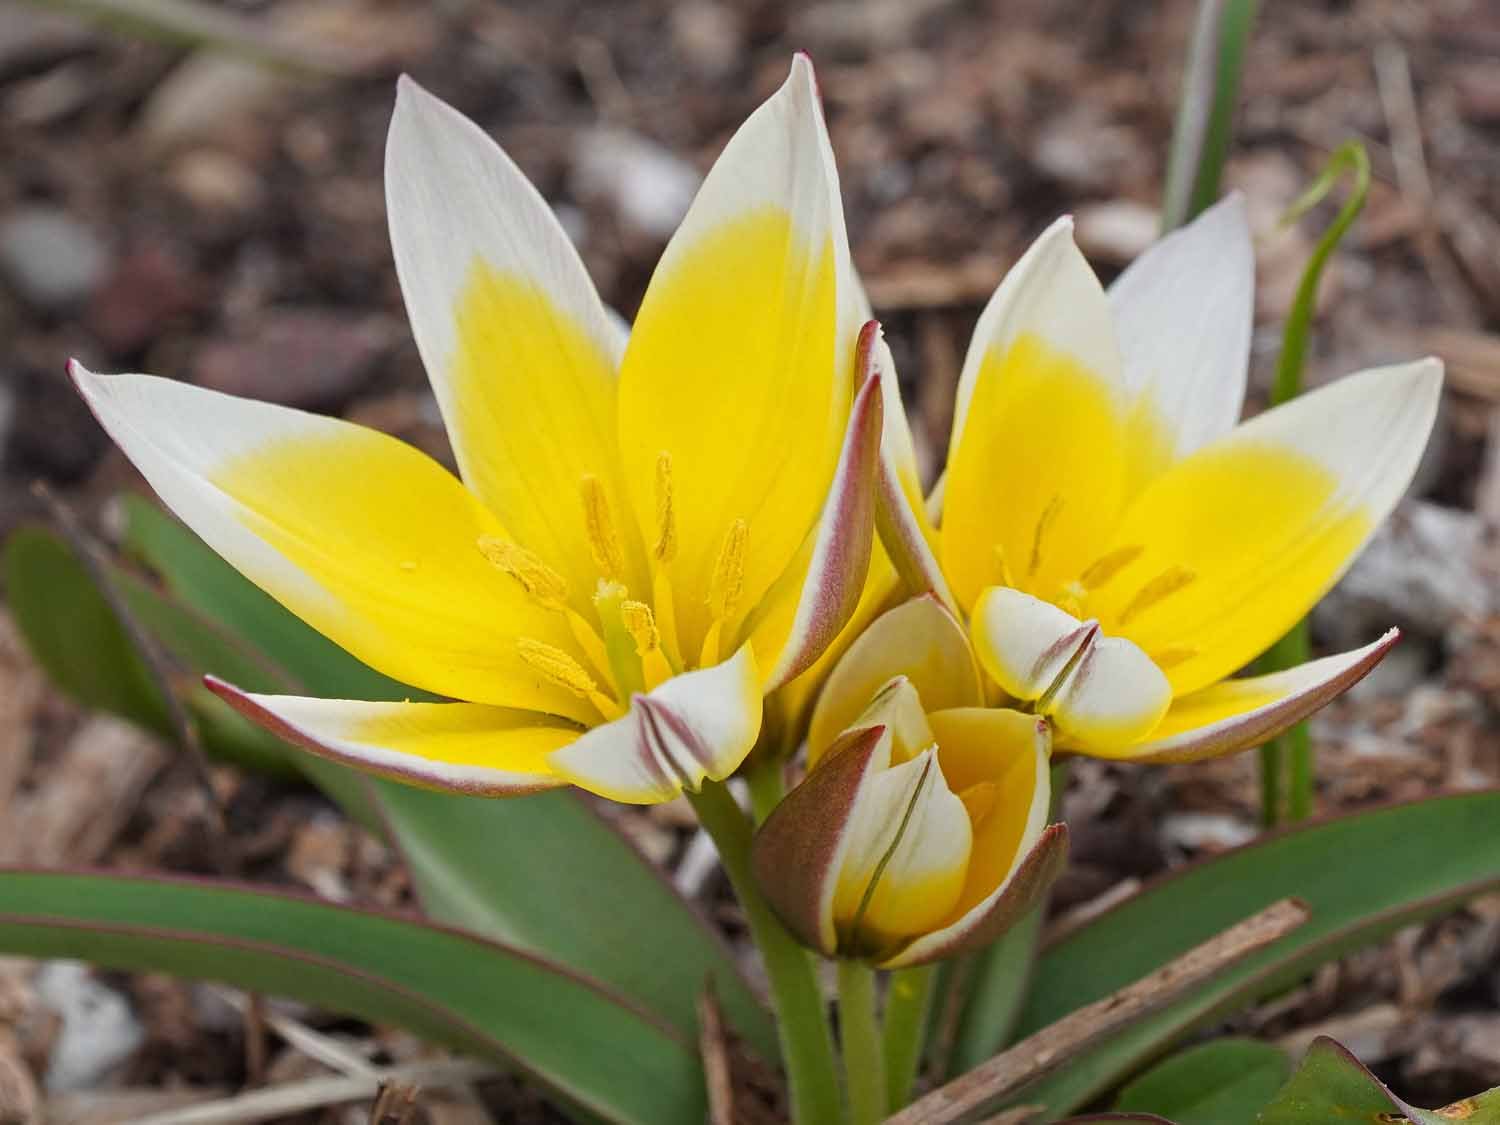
column 604, row 543
column 665, row 547
column 1165, row 584
column 1109, row 564
column 1043, row 525
column 1173, row 655
column 724, row 589
column 561, row 670
column 640, row 623
column 535, row 577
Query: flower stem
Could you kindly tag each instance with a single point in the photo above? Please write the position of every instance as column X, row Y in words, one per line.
column 859, row 1030
column 806, row 1045
column 767, row 783
column 908, row 1001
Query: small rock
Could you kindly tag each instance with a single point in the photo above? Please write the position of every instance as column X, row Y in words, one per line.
column 710, row 36
column 297, row 357
column 216, row 182
column 1085, row 152
column 1197, row 831
column 1479, row 94
column 1116, row 232
column 98, row 1031
column 149, row 287
column 49, row 258
column 649, row 187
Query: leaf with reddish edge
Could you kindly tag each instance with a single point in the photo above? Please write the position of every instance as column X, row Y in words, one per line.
column 594, row 1049
column 1394, row 865
column 1331, row 1084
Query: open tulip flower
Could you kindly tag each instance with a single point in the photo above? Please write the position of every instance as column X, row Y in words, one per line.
column 649, row 536
column 921, row 829
column 1120, row 545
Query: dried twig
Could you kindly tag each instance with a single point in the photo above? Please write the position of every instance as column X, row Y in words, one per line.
column 714, row 1049
column 315, row 1093
column 1044, row 1052
column 395, row 1104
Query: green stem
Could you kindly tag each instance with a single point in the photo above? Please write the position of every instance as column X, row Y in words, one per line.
column 908, row 1002
column 767, row 783
column 1205, row 109
column 1289, row 757
column 801, row 1024
column 859, row 1030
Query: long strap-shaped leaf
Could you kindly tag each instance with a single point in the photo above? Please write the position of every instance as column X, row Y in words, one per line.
column 594, row 1049
column 1362, row 876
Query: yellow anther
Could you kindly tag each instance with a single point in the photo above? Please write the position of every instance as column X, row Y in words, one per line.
column 1002, row 568
column 729, row 572
column 1173, row 655
column 1043, row 525
column 979, row 801
column 640, row 623
column 556, row 666
column 604, row 543
column 1109, row 564
column 536, row 577
column 1166, row 583
column 665, row 547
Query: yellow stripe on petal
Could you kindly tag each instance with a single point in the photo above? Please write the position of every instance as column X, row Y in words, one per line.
column 1037, row 472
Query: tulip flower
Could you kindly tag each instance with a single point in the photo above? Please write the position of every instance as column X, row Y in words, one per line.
column 649, row 534
column 921, row 829
column 1120, row 544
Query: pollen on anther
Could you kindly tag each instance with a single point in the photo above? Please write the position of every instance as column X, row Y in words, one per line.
column 535, row 577
column 604, row 543
column 1165, row 584
column 665, row 547
column 729, row 572
column 640, row 623
column 1173, row 655
column 556, row 666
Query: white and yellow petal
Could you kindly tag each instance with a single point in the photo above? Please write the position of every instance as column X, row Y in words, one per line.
column 696, row 726
column 1237, row 714
column 466, row 748
column 1102, row 692
column 1240, row 539
column 521, row 352
column 739, row 369
column 919, row 641
column 1036, row 459
column 1183, row 312
column 997, row 762
column 363, row 537
column 906, row 858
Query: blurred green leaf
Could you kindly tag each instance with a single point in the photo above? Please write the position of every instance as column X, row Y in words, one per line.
column 1332, row 1085
column 546, row 872
column 1363, row 876
column 1223, row 1082
column 595, row 1050
column 994, row 992
column 77, row 637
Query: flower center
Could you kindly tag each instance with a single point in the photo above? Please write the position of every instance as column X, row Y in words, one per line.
column 630, row 646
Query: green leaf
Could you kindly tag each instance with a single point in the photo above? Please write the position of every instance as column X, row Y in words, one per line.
column 596, row 1051
column 1223, row 1082
column 1363, row 876
column 545, row 872
column 996, row 989
column 75, row 635
column 1332, row 1085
